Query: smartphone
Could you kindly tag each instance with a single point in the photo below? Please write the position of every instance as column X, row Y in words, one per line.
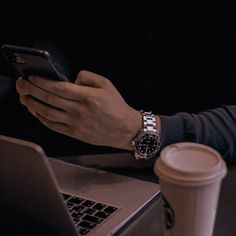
column 28, row 61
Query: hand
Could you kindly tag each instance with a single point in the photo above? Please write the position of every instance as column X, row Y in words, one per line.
column 91, row 109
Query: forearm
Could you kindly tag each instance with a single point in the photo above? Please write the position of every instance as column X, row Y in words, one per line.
column 216, row 128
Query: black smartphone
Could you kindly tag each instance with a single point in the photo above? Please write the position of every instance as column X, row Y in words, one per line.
column 28, row 61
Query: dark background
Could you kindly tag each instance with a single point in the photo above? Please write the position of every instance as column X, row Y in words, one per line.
column 162, row 57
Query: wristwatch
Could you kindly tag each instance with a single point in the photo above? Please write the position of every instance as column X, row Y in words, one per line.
column 147, row 143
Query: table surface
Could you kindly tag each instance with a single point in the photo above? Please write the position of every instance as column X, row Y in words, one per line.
column 149, row 222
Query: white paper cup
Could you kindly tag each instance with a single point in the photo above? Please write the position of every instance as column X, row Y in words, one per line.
column 190, row 177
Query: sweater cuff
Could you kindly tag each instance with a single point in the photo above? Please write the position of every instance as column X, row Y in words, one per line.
column 172, row 130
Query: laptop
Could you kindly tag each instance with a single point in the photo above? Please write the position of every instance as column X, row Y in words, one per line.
column 46, row 196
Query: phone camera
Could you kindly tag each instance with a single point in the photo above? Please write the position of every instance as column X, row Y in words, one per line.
column 16, row 58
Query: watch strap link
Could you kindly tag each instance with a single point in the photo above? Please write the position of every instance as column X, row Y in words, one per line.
column 149, row 121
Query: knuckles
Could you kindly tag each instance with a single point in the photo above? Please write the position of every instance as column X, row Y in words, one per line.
column 60, row 88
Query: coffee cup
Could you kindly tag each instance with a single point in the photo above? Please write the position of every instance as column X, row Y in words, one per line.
column 190, row 176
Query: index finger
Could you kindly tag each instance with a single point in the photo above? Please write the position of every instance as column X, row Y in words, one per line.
column 66, row 90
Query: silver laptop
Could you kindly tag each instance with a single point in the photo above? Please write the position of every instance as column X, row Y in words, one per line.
column 45, row 196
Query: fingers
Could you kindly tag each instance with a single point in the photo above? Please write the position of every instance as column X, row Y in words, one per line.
column 88, row 81
column 91, row 79
column 56, row 126
column 38, row 108
column 27, row 88
column 64, row 90
column 61, row 89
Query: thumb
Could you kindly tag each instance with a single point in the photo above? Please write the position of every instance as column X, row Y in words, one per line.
column 90, row 79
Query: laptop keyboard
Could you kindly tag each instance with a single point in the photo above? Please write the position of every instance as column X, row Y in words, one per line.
column 87, row 214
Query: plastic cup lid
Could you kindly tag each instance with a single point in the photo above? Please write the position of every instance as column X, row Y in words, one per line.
column 188, row 162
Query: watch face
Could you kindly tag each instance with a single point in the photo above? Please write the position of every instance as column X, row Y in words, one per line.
column 147, row 145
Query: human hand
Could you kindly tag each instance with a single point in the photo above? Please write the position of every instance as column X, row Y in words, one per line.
column 91, row 109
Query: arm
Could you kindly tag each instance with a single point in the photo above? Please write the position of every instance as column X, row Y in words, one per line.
column 93, row 111
column 215, row 127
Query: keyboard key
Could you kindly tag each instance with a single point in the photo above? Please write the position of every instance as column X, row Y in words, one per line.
column 75, row 200
column 70, row 210
column 88, row 203
column 92, row 219
column 76, row 220
column 77, row 214
column 102, row 214
column 70, row 204
column 88, row 225
column 66, row 196
column 83, row 231
column 89, row 211
column 110, row 209
column 78, row 208
column 99, row 206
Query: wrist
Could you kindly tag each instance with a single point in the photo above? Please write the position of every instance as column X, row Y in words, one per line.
column 134, row 124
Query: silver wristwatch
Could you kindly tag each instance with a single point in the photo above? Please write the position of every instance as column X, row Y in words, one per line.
column 147, row 143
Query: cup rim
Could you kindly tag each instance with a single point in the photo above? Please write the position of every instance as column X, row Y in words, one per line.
column 161, row 167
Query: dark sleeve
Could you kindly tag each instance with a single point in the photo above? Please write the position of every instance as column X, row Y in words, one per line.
column 215, row 128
